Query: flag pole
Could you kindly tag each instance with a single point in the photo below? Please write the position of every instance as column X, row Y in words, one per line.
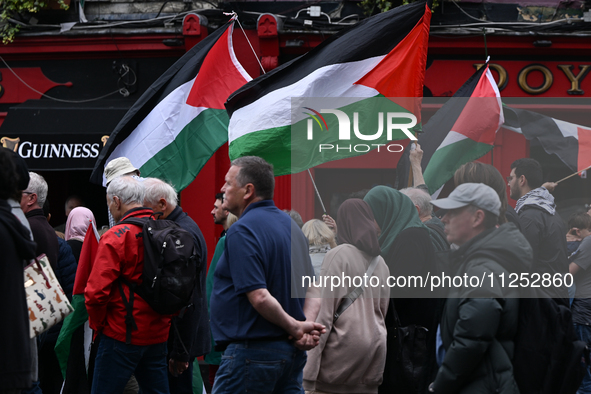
column 235, row 17
column 318, row 194
column 571, row 175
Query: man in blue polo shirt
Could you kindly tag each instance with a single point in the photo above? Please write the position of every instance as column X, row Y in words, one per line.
column 253, row 315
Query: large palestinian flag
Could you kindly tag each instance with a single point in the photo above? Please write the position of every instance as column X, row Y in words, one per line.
column 285, row 115
column 180, row 121
column 464, row 129
column 570, row 142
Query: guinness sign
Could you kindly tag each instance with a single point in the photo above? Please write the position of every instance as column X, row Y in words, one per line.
column 41, row 154
column 53, row 137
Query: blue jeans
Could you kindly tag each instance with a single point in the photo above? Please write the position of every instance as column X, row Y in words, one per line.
column 261, row 367
column 584, row 333
column 116, row 362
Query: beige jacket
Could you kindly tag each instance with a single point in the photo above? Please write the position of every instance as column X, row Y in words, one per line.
column 351, row 355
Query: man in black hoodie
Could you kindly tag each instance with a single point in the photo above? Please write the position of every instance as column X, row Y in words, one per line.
column 17, row 248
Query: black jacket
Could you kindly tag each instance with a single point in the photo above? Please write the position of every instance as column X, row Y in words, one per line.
column 479, row 323
column 193, row 326
column 17, row 247
column 43, row 235
column 546, row 235
column 65, row 272
column 411, row 254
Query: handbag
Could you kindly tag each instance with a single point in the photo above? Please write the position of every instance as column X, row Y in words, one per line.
column 410, row 353
column 46, row 300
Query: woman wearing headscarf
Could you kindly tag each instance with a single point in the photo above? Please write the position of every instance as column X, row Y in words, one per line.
column 351, row 355
column 407, row 249
column 78, row 222
column 70, row 343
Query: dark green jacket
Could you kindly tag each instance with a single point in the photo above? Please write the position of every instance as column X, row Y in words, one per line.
column 479, row 323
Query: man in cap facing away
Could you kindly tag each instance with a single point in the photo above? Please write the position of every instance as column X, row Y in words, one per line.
column 114, row 169
column 479, row 321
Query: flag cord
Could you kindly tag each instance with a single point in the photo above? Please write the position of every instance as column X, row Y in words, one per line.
column 485, row 46
column 317, row 193
column 247, row 40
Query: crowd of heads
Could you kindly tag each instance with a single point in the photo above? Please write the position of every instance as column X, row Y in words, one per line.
column 251, row 179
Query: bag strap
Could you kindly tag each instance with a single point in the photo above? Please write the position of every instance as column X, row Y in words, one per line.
column 129, row 320
column 37, row 262
column 178, row 336
column 137, row 221
column 350, row 298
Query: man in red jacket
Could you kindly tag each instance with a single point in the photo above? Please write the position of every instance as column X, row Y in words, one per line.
column 121, row 352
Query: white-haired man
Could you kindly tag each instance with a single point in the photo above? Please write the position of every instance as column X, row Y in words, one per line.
column 126, row 346
column 193, row 338
column 32, row 201
column 422, row 202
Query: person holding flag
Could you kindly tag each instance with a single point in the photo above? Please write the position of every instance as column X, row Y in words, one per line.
column 462, row 130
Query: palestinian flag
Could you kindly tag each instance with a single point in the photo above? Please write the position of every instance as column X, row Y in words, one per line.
column 570, row 142
column 382, row 56
column 180, row 121
column 464, row 129
column 77, row 319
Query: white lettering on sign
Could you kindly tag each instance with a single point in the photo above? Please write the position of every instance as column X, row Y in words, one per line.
column 29, row 150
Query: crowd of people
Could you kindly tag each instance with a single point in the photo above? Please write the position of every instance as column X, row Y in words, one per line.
column 263, row 328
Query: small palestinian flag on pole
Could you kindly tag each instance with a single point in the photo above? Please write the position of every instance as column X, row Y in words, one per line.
column 570, row 142
column 74, row 323
column 464, row 129
column 180, row 121
column 375, row 69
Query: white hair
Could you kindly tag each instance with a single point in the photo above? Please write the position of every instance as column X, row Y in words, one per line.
column 128, row 189
column 419, row 198
column 157, row 189
column 38, row 186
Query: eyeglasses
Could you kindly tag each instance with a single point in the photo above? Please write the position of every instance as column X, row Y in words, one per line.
column 510, row 178
column 28, row 193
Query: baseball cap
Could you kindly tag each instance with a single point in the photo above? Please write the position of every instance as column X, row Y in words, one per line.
column 476, row 194
column 117, row 167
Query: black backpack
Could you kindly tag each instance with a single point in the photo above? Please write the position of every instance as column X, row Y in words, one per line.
column 548, row 356
column 170, row 269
